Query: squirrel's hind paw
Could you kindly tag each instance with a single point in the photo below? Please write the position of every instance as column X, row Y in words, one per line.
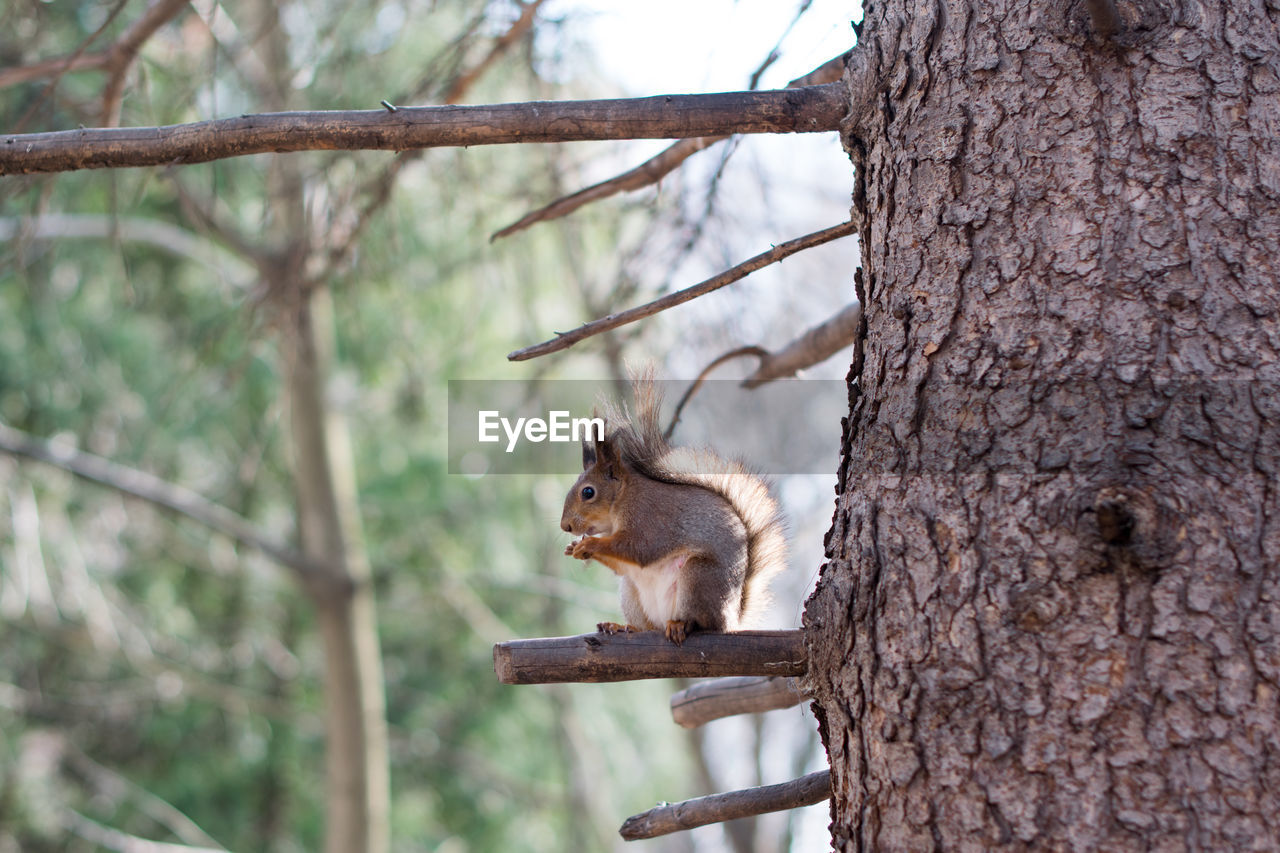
column 677, row 631
column 616, row 628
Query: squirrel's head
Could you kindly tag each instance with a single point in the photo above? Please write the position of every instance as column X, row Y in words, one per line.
column 589, row 506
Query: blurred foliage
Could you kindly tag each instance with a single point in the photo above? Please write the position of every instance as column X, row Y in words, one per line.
column 150, row 669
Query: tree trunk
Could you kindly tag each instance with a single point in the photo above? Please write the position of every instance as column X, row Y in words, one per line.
column 358, row 785
column 1049, row 617
column 357, row 772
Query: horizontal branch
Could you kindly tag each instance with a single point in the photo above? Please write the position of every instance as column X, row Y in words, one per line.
column 564, row 340
column 804, row 110
column 648, row 654
column 154, row 490
column 727, row 697
column 674, row 817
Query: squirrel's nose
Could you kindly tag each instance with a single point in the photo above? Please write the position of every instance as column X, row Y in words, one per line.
column 566, row 526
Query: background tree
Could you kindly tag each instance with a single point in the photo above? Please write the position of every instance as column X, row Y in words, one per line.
column 225, row 328
column 1050, row 614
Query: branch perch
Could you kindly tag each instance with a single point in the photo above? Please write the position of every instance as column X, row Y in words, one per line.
column 648, row 654
column 673, row 817
column 727, row 697
column 805, row 110
column 564, row 340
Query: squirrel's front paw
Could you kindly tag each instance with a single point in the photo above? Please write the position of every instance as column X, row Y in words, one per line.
column 583, row 549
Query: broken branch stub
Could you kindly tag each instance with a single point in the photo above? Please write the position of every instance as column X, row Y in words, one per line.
column 727, row 697
column 674, row 817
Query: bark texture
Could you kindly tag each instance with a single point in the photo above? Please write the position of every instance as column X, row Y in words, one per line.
column 1050, row 614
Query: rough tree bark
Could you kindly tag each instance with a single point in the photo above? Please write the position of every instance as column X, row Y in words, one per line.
column 1049, row 617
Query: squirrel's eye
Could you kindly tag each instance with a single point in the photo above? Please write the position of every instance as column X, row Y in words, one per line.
column 588, row 493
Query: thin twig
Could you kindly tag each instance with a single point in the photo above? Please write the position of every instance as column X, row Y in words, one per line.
column 204, row 217
column 655, row 168
column 649, row 172
column 740, row 352
column 464, row 81
column 158, row 809
column 564, row 340
column 378, row 190
column 157, row 233
column 673, row 817
column 58, row 67
column 812, row 347
column 125, row 50
column 162, row 493
column 122, row 842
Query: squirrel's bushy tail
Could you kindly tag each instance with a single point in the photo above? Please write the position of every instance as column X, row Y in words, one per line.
column 640, row 441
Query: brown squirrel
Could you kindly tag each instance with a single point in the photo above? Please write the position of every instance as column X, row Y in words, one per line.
column 693, row 538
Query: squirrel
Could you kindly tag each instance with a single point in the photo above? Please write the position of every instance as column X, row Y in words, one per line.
column 694, row 538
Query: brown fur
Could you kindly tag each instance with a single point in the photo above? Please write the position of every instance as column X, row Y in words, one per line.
column 693, row 537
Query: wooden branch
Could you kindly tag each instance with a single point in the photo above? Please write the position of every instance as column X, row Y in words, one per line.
column 47, row 67
column 656, row 168
column 727, row 697
column 122, row 54
column 648, row 654
column 813, row 347
column 113, row 839
column 673, row 817
column 202, row 211
column 564, row 340
column 649, row 172
column 164, row 494
column 378, row 189
column 55, row 68
column 116, row 59
column 109, row 783
column 806, row 110
column 156, row 233
column 464, row 81
column 739, row 352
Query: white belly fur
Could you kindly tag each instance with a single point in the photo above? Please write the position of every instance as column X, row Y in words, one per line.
column 656, row 587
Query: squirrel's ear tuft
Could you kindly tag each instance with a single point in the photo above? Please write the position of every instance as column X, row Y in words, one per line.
column 607, row 459
column 588, row 454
